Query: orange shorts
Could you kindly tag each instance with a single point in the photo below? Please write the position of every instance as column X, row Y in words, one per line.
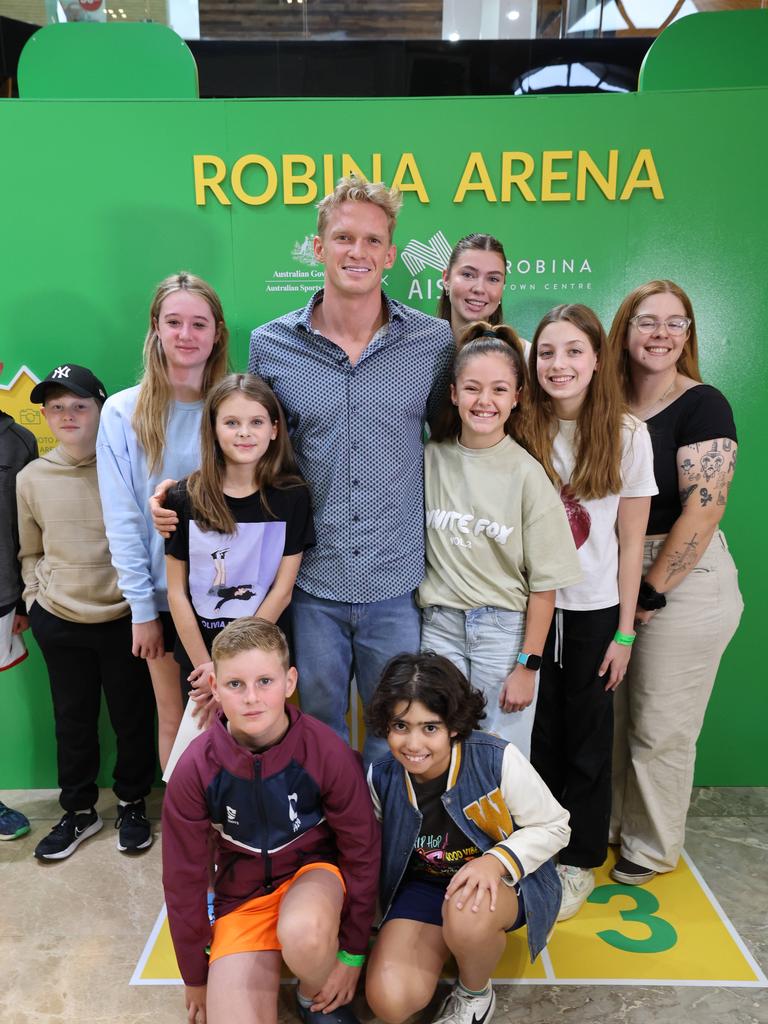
column 252, row 927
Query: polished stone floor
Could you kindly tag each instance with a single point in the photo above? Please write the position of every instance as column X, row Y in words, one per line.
column 72, row 931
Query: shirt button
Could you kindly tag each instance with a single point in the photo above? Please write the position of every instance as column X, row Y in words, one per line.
column 355, row 483
column 356, row 551
column 354, row 446
column 355, row 518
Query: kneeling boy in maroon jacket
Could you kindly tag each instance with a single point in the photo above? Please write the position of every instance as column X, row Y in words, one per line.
column 296, row 846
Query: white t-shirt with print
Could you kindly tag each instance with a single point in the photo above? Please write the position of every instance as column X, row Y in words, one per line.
column 593, row 522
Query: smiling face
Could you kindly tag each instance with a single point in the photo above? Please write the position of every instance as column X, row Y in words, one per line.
column 252, row 688
column 485, row 393
column 355, row 248
column 565, row 365
column 475, row 285
column 244, row 430
column 187, row 331
column 420, row 740
column 659, row 351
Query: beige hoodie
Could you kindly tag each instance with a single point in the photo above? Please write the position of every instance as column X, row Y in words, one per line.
column 65, row 561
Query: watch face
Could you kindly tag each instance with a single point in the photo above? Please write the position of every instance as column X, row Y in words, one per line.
column 533, row 662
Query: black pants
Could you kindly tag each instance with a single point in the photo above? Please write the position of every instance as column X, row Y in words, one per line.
column 572, row 739
column 82, row 660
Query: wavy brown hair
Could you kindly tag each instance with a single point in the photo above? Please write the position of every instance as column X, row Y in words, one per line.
column 687, row 364
column 482, row 339
column 482, row 243
column 597, row 471
column 433, row 681
column 277, row 467
column 153, row 406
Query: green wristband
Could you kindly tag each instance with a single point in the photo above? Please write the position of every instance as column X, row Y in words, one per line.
column 625, row 639
column 351, row 959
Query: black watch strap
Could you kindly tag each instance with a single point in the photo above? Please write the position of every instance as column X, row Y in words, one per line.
column 649, row 599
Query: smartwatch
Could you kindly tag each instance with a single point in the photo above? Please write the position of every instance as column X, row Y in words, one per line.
column 649, row 599
column 531, row 661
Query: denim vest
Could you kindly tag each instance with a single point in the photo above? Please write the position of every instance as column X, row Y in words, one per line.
column 475, row 770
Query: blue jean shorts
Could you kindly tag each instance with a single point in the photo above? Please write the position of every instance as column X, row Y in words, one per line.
column 420, row 900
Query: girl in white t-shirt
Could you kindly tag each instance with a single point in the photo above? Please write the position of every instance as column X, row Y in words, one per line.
column 601, row 460
column 497, row 539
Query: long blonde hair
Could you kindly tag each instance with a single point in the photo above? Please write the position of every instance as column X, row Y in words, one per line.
column 150, row 417
column 277, row 467
column 687, row 364
column 597, row 470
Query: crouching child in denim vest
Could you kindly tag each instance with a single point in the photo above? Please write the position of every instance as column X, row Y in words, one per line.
column 296, row 846
column 469, row 832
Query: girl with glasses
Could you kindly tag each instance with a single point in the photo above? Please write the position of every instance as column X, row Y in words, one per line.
column 689, row 603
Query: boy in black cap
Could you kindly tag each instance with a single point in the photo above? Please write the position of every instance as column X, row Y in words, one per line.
column 81, row 620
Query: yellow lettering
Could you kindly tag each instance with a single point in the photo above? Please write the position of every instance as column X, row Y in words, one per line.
column 643, row 161
column 549, row 174
column 520, row 180
column 291, row 178
column 254, row 159
column 475, row 164
column 213, row 183
column 329, row 180
column 408, row 165
column 587, row 166
column 348, row 166
column 491, row 815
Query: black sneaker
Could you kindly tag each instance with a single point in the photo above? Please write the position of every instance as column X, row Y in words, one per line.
column 64, row 838
column 341, row 1015
column 135, row 832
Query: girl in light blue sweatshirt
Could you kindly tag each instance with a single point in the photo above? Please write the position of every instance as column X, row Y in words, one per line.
column 148, row 433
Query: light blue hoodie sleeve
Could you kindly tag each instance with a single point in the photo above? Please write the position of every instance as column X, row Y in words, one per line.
column 122, row 483
column 125, row 484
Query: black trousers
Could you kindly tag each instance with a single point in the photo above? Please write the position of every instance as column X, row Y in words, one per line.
column 82, row 660
column 572, row 739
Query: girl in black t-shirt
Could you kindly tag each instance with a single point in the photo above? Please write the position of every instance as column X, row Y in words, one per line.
column 244, row 522
column 689, row 603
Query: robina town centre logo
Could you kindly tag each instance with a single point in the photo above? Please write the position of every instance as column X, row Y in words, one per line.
column 426, row 262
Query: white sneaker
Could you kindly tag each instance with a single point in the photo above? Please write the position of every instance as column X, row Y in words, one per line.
column 458, row 1008
column 577, row 884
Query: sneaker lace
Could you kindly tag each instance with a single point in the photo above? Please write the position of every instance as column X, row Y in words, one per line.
column 131, row 814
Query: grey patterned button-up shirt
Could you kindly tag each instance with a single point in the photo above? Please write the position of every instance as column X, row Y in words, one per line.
column 358, row 436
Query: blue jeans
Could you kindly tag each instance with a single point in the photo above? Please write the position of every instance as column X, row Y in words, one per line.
column 334, row 641
column 484, row 643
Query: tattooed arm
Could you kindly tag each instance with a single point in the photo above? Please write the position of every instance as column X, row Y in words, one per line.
column 704, row 472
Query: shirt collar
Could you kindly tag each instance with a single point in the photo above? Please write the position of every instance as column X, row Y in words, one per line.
column 304, row 316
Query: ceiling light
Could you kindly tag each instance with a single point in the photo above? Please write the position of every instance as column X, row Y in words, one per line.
column 513, row 15
column 454, row 37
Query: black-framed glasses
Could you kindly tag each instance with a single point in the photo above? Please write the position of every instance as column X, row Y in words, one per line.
column 674, row 325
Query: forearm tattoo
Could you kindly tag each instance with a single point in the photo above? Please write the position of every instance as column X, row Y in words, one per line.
column 681, row 561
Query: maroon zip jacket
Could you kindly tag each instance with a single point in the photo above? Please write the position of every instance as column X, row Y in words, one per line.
column 302, row 801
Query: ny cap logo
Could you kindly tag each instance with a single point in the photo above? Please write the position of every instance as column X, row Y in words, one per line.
column 61, row 371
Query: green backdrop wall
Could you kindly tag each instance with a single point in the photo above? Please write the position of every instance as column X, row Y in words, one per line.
column 591, row 195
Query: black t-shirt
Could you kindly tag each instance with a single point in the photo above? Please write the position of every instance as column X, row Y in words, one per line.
column 441, row 847
column 700, row 414
column 229, row 576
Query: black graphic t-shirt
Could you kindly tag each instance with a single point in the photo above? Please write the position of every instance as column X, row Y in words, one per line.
column 441, row 847
column 229, row 576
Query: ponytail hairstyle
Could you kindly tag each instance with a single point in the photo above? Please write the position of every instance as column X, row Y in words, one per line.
column 483, row 243
column 687, row 364
column 277, row 467
column 153, row 406
column 482, row 339
column 597, row 471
